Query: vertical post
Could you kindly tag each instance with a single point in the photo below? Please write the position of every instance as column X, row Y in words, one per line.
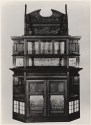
column 26, row 96
column 67, row 52
column 52, row 46
column 25, row 20
column 79, row 93
column 25, row 52
column 66, row 19
column 67, row 96
column 66, row 13
column 45, row 98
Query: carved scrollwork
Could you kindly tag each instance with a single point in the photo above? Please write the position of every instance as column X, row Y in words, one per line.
column 46, row 30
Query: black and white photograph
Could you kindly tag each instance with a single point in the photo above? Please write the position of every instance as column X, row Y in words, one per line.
column 45, row 62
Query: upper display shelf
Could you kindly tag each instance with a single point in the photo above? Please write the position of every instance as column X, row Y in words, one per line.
column 46, row 37
column 56, row 24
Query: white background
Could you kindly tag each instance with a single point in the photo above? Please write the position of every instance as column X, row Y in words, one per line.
column 12, row 24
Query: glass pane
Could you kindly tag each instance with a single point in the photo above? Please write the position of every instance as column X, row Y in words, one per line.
column 76, row 79
column 75, row 41
column 53, row 87
column 62, row 48
column 36, row 102
column 20, row 47
column 72, row 61
column 46, row 47
column 57, row 86
column 30, row 62
column 36, row 86
column 40, row 87
column 42, row 47
column 14, row 47
column 36, row 47
column 61, row 86
column 33, row 87
column 19, row 61
column 69, row 111
column 46, row 61
column 70, row 41
column 57, row 102
column 56, row 47
column 62, row 62
column 77, row 47
column 72, row 47
column 16, row 81
column 29, row 47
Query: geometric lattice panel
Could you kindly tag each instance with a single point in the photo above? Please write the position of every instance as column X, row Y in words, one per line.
column 19, row 107
column 73, row 106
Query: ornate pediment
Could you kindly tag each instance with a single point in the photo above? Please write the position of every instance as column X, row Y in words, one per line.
column 56, row 24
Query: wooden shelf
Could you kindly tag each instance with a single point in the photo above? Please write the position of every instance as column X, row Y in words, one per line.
column 47, row 55
column 45, row 69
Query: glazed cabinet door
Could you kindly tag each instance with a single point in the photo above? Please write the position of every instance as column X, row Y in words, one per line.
column 37, row 97
column 57, row 94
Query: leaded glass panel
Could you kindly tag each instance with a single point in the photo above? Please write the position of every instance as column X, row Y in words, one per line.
column 36, row 103
column 40, row 87
column 56, row 47
column 57, row 86
column 57, row 102
column 62, row 62
column 36, row 47
column 15, row 48
column 76, row 79
column 53, row 87
column 16, row 81
column 46, row 61
column 30, row 61
column 33, row 87
column 36, row 86
column 72, row 47
column 29, row 47
column 20, row 47
column 46, row 47
column 72, row 62
column 19, row 61
column 77, row 47
column 42, row 47
column 75, row 41
column 61, row 47
column 73, row 106
column 61, row 86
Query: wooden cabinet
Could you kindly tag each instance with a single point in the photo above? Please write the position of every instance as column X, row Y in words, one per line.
column 46, row 80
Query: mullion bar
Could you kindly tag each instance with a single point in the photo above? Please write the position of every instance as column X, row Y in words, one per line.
column 52, row 46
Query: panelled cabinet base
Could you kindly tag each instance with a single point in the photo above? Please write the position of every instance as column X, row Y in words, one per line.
column 30, row 119
column 46, row 79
